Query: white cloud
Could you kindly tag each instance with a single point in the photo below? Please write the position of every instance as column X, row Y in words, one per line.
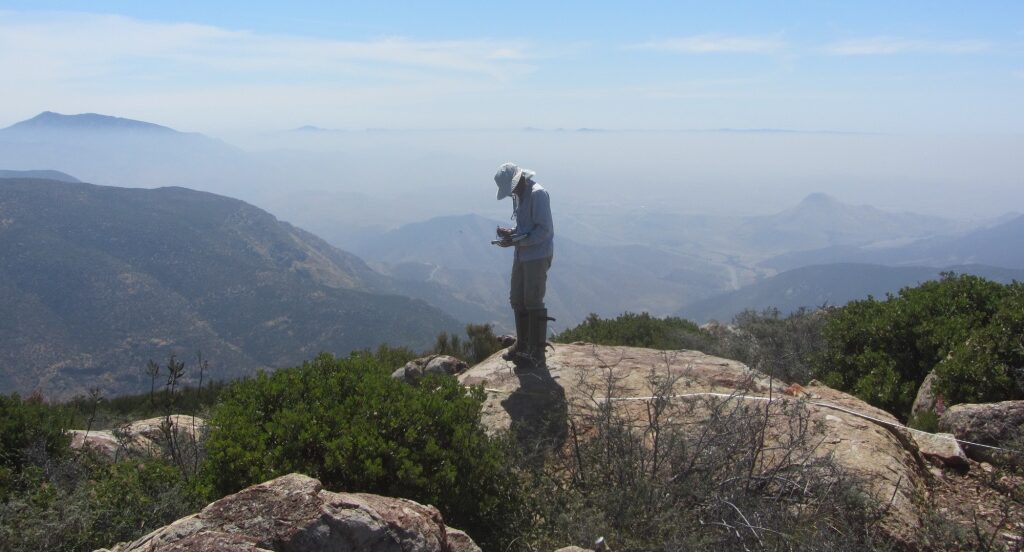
column 882, row 45
column 708, row 44
column 61, row 46
column 204, row 75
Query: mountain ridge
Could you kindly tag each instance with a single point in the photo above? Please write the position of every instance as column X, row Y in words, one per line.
column 101, row 279
column 41, row 174
column 48, row 120
column 111, row 150
column 827, row 284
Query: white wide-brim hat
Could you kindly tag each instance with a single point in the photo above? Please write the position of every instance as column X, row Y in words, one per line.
column 507, row 175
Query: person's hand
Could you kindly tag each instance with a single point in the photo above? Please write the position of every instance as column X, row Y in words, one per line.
column 504, row 232
column 506, row 242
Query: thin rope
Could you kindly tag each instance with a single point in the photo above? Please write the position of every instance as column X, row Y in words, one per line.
column 813, row 403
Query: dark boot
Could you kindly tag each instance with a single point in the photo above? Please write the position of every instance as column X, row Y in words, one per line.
column 538, row 336
column 522, row 344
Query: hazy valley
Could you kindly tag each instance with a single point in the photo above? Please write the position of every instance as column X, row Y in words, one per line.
column 151, row 269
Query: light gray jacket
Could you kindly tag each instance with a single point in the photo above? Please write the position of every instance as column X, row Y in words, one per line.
column 533, row 218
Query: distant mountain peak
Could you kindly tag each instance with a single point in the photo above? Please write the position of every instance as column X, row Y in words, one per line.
column 311, row 128
column 49, row 120
column 43, row 174
column 819, row 199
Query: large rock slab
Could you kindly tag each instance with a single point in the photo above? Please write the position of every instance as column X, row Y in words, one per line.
column 143, row 437
column 997, row 424
column 862, row 439
column 293, row 513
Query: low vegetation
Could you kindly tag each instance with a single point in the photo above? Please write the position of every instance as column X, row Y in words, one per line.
column 347, row 423
column 53, row 498
column 636, row 330
column 642, row 482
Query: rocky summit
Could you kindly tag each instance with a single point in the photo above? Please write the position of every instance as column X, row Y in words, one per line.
column 862, row 440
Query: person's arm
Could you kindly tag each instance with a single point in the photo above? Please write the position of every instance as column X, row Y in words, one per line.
column 543, row 228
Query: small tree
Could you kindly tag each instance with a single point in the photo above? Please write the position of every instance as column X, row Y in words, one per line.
column 480, row 343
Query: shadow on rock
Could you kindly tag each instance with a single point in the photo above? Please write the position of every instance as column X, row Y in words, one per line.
column 538, row 410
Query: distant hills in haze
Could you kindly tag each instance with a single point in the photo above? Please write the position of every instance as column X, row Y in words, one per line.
column 95, row 281
column 456, row 252
column 821, row 220
column 818, row 221
column 1000, row 244
column 704, row 267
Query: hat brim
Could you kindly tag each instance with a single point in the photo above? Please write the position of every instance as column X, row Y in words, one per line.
column 506, row 190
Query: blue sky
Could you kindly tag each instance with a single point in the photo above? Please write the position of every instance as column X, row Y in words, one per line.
column 888, row 67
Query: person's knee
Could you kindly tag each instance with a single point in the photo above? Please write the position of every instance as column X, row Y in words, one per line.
column 534, row 303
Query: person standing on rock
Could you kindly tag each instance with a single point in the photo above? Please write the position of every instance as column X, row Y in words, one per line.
column 533, row 239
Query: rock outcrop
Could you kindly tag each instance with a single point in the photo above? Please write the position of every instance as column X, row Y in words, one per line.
column 434, row 364
column 459, row 541
column 927, row 400
column 994, row 424
column 862, row 439
column 294, row 513
column 942, row 449
column 148, row 437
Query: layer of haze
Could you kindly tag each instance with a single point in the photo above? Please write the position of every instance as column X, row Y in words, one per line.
column 429, row 173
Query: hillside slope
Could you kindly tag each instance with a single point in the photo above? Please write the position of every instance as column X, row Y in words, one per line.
column 97, row 280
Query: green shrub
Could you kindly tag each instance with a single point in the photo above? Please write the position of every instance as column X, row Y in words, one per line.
column 27, row 424
column 636, row 330
column 882, row 350
column 348, row 424
column 988, row 366
column 925, row 421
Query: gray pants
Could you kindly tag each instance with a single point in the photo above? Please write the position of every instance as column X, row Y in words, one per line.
column 529, row 282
